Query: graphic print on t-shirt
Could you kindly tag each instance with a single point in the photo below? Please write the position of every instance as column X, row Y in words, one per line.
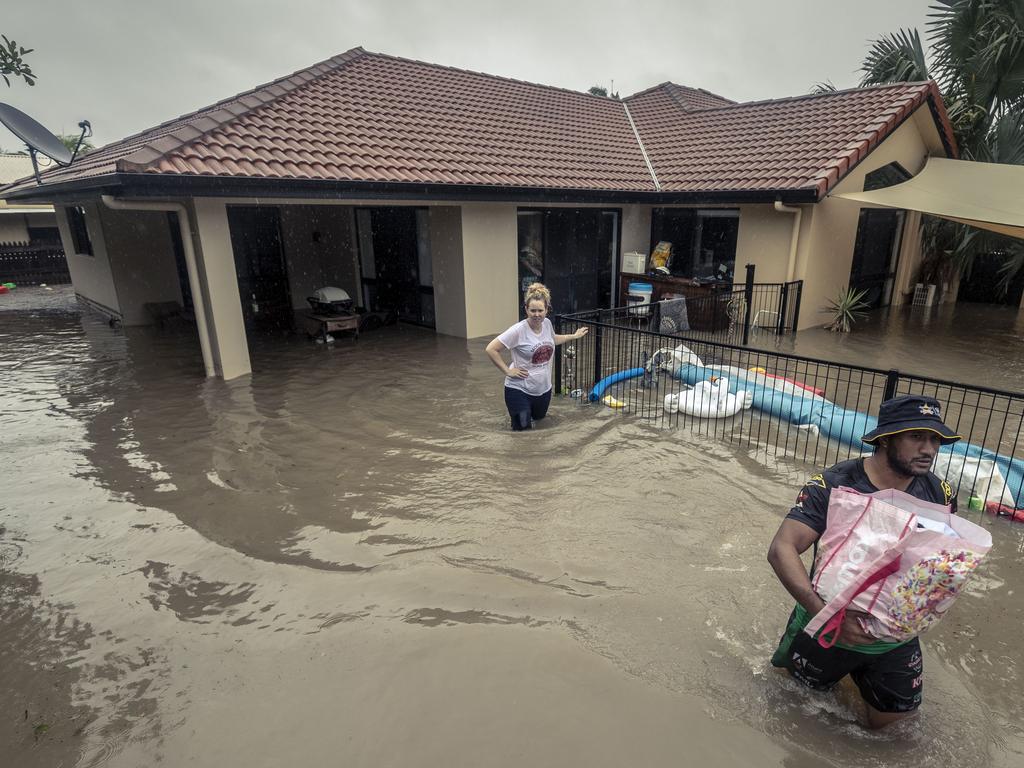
column 542, row 354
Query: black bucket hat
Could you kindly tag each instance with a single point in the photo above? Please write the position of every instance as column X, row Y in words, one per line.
column 909, row 413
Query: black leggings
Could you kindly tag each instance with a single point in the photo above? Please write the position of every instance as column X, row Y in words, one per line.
column 524, row 409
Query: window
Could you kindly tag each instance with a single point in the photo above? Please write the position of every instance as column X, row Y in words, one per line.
column 886, row 176
column 703, row 240
column 79, row 231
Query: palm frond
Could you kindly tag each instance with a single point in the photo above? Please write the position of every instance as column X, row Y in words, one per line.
column 1011, row 267
column 1006, row 140
column 895, row 58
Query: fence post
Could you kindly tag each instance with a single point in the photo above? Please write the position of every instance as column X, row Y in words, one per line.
column 748, row 295
column 892, row 380
column 598, row 333
column 796, row 307
column 559, row 351
column 783, row 300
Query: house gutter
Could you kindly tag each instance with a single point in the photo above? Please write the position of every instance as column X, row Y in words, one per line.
column 184, row 225
column 794, row 238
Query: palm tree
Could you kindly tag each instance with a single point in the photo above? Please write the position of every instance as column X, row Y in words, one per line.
column 977, row 52
column 70, row 141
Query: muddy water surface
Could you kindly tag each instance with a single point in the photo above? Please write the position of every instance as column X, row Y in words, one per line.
column 979, row 344
column 346, row 559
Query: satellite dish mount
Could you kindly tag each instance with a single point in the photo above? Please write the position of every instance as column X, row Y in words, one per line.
column 39, row 140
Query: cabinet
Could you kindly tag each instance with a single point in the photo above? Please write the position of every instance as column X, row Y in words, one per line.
column 706, row 304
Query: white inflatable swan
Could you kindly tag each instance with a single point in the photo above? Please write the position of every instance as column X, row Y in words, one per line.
column 709, row 400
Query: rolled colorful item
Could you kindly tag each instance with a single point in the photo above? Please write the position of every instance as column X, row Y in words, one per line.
column 847, row 426
column 799, row 384
column 598, row 391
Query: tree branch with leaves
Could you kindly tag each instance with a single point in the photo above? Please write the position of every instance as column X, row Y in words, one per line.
column 12, row 62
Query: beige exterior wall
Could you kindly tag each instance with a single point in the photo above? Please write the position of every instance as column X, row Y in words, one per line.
column 490, row 240
column 91, row 275
column 212, row 241
column 13, row 229
column 825, row 254
column 764, row 240
column 448, row 269
column 314, row 264
column 141, row 256
column 16, row 219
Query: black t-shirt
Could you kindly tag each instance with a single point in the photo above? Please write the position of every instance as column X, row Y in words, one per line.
column 811, row 506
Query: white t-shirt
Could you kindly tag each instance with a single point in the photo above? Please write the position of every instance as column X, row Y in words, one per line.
column 531, row 352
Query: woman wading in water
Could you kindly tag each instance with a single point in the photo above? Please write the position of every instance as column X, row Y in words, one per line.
column 531, row 343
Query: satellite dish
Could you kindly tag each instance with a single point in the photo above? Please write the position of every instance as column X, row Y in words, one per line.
column 34, row 135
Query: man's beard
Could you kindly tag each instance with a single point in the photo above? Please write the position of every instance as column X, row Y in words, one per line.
column 901, row 467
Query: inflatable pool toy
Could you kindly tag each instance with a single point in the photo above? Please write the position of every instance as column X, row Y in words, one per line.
column 814, row 390
column 709, row 400
column 1001, row 476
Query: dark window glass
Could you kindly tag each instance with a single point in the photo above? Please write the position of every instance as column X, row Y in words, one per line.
column 79, row 231
column 703, row 241
column 886, row 176
column 44, row 235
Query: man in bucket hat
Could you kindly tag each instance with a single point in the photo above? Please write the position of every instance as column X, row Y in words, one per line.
column 888, row 675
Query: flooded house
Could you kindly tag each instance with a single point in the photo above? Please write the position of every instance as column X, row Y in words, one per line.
column 435, row 194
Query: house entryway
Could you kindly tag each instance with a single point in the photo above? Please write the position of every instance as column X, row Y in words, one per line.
column 260, row 265
column 983, row 284
column 394, row 256
column 876, row 255
column 573, row 251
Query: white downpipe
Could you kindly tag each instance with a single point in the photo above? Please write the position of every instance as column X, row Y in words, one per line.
column 794, row 238
column 184, row 224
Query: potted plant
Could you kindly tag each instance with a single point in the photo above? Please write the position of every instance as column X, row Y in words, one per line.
column 846, row 309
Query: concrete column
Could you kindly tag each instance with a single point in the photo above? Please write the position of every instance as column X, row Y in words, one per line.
column 220, row 286
column 449, row 270
column 490, row 267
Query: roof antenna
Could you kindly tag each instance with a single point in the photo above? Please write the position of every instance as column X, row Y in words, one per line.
column 38, row 139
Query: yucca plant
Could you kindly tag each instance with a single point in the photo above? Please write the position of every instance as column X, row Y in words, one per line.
column 846, row 309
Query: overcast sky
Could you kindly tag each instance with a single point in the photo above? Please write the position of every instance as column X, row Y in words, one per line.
column 127, row 65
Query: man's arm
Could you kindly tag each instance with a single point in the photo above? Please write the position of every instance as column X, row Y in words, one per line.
column 792, row 540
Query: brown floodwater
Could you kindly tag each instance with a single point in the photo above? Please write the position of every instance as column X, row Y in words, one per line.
column 981, row 344
column 347, row 558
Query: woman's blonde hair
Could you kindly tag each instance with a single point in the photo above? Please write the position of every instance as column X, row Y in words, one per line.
column 537, row 292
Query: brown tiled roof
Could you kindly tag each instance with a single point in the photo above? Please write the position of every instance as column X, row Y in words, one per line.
column 685, row 97
column 804, row 142
column 366, row 117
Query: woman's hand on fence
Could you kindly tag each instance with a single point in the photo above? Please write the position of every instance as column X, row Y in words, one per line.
column 518, row 373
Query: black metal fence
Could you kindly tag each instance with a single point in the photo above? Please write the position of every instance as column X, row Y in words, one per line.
column 33, row 264
column 731, row 316
column 802, row 409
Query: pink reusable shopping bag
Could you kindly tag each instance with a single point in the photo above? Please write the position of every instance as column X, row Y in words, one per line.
column 874, row 557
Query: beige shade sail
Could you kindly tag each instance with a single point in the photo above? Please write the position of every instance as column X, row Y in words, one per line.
column 985, row 195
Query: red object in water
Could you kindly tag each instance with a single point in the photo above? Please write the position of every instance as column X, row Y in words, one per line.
column 1005, row 510
column 4, row 289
